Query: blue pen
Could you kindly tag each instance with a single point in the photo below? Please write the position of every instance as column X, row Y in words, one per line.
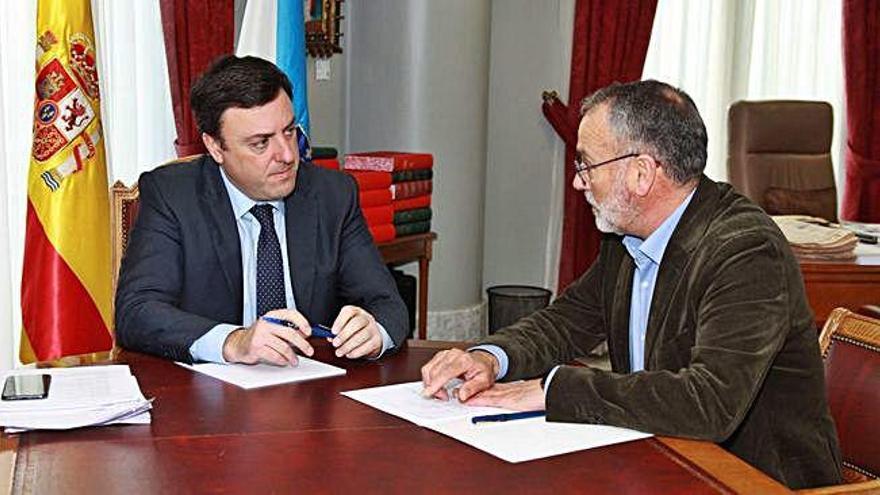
column 317, row 330
column 494, row 418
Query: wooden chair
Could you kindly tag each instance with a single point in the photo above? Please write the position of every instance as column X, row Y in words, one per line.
column 850, row 345
column 123, row 212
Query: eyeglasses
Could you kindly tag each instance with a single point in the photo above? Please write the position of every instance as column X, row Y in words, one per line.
column 583, row 169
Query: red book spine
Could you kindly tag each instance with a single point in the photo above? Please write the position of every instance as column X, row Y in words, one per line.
column 378, row 215
column 412, row 203
column 331, row 163
column 388, row 161
column 382, row 233
column 378, row 197
column 368, row 180
column 403, row 190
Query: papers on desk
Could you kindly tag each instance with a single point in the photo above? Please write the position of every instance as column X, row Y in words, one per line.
column 513, row 441
column 263, row 375
column 81, row 396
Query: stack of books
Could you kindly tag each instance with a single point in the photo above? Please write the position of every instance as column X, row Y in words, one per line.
column 325, row 157
column 374, row 195
column 815, row 239
column 410, row 183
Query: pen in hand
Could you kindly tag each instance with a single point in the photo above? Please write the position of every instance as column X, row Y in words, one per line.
column 317, row 330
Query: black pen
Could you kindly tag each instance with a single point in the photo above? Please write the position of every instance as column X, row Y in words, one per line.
column 494, row 418
column 317, row 330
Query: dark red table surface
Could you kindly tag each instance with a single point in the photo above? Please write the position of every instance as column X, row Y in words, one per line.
column 207, row 436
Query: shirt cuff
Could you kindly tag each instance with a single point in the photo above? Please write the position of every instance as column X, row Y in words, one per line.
column 548, row 380
column 209, row 347
column 387, row 342
column 499, row 354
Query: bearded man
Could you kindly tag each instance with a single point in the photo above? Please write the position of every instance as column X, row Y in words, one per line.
column 696, row 292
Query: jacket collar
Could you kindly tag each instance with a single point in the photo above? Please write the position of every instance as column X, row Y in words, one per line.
column 685, row 239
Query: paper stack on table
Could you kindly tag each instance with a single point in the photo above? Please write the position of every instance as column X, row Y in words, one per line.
column 816, row 239
column 80, row 396
column 513, row 441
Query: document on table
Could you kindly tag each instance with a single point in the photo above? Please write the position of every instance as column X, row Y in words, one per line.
column 78, row 397
column 250, row 376
column 513, row 441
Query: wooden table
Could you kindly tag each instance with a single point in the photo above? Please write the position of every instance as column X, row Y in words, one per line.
column 834, row 284
column 208, row 436
column 407, row 249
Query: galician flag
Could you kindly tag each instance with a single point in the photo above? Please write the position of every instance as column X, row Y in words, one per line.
column 276, row 31
column 66, row 280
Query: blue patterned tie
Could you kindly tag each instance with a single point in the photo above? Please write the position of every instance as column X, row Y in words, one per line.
column 270, row 267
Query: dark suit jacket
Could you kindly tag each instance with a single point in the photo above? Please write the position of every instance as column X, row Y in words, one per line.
column 181, row 274
column 731, row 351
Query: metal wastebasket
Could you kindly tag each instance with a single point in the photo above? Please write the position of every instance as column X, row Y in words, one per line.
column 509, row 303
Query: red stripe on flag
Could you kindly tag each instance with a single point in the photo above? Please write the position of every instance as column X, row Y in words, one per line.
column 60, row 317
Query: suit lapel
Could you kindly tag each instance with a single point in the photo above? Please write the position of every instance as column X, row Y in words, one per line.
column 618, row 335
column 301, row 223
column 214, row 202
column 690, row 230
column 668, row 279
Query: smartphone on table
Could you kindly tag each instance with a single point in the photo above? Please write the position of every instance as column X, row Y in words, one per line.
column 26, row 387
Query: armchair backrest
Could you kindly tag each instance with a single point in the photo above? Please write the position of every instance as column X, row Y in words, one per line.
column 850, row 345
column 779, row 156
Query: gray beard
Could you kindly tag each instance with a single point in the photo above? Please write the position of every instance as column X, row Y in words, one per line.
column 608, row 215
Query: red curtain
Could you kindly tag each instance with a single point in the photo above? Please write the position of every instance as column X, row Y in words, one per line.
column 861, row 61
column 196, row 32
column 610, row 44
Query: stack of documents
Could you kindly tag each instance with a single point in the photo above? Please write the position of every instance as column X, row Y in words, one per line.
column 81, row 396
column 513, row 441
column 816, row 239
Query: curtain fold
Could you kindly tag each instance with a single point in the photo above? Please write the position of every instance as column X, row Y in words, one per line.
column 610, row 44
column 861, row 60
column 196, row 32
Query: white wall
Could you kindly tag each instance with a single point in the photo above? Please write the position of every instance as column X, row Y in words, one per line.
column 417, row 80
column 531, row 52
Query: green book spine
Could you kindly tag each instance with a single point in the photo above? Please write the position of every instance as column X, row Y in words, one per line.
column 409, row 216
column 410, row 175
column 412, row 228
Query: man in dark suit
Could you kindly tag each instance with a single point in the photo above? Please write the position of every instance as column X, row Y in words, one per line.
column 696, row 292
column 205, row 262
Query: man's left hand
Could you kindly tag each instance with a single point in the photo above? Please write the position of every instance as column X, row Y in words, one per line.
column 519, row 396
column 357, row 334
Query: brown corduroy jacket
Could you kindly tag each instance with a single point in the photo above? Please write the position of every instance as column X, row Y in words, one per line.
column 731, row 350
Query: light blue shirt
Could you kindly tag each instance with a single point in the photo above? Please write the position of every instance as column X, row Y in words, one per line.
column 647, row 255
column 209, row 347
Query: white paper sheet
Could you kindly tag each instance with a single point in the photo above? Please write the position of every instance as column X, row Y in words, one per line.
column 513, row 441
column 405, row 400
column 264, row 375
column 534, row 438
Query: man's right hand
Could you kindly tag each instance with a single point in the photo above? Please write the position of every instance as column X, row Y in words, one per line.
column 477, row 369
column 265, row 342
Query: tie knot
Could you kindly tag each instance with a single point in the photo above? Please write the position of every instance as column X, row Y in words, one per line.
column 264, row 215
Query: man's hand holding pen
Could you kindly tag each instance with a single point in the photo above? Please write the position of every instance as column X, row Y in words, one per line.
column 266, row 342
column 274, row 337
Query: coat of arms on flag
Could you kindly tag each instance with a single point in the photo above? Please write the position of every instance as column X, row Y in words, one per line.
column 62, row 113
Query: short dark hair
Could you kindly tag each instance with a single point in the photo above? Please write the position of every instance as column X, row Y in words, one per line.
column 657, row 119
column 234, row 82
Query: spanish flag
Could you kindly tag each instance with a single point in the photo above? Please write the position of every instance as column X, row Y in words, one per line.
column 66, row 280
